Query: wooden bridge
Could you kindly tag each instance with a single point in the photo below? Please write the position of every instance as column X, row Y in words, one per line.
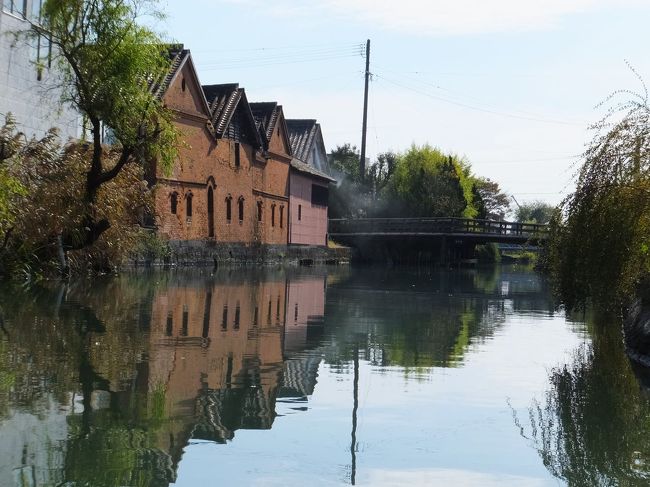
column 465, row 230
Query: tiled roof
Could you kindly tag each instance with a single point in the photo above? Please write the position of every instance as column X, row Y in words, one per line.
column 301, row 136
column 305, row 168
column 223, row 100
column 266, row 116
column 177, row 55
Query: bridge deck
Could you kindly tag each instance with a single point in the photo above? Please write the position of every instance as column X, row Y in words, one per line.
column 461, row 228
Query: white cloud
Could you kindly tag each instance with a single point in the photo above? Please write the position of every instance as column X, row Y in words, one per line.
column 442, row 17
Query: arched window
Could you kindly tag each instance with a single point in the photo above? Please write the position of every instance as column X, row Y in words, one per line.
column 259, row 211
column 281, row 216
column 229, row 208
column 174, row 202
column 240, row 203
column 188, row 206
column 273, row 215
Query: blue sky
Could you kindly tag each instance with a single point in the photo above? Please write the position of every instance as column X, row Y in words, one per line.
column 510, row 84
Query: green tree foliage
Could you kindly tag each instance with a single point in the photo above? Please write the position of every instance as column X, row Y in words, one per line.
column 601, row 239
column 489, row 200
column 350, row 198
column 534, row 212
column 429, row 183
column 422, row 182
column 111, row 65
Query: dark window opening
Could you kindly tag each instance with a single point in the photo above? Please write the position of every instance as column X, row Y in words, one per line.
column 268, row 316
column 319, row 195
column 229, row 371
column 224, row 318
column 256, row 316
column 206, row 315
column 299, row 212
column 183, row 85
column 259, row 211
column 240, row 203
column 186, row 319
column 237, row 155
column 277, row 310
column 170, row 324
column 174, row 202
column 229, row 208
column 295, row 313
column 188, row 208
column 272, row 215
column 281, row 216
column 237, row 316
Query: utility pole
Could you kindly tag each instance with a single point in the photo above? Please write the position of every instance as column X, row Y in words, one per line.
column 362, row 161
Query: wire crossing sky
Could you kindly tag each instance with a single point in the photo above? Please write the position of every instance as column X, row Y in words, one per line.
column 510, row 85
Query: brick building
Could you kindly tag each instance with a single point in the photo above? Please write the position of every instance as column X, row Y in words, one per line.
column 232, row 182
column 208, row 193
column 271, row 187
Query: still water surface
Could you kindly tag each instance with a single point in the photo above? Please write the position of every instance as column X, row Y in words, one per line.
column 320, row 377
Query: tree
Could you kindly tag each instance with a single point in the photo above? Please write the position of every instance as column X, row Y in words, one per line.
column 350, row 196
column 344, row 161
column 428, row 183
column 111, row 66
column 489, row 200
column 535, row 212
column 600, row 240
column 40, row 206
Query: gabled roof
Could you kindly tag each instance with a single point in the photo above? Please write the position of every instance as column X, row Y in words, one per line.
column 179, row 56
column 266, row 116
column 305, row 168
column 302, row 135
column 224, row 101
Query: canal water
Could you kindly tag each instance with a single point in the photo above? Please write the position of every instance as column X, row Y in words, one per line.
column 314, row 377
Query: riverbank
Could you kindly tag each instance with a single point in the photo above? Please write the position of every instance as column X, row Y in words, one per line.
column 202, row 253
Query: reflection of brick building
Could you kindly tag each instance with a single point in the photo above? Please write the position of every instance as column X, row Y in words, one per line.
column 305, row 311
column 215, row 347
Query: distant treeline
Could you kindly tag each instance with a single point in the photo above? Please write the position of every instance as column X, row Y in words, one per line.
column 421, row 182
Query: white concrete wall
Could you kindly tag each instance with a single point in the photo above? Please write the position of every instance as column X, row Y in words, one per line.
column 34, row 104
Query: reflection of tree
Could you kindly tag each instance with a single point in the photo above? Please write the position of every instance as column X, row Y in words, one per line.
column 129, row 387
column 593, row 428
column 424, row 318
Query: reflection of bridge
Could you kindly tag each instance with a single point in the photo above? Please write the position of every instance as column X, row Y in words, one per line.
column 470, row 230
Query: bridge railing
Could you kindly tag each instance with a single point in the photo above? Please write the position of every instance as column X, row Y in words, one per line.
column 432, row 226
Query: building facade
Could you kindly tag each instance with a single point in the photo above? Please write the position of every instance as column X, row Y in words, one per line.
column 207, row 194
column 29, row 81
column 309, row 184
column 271, row 182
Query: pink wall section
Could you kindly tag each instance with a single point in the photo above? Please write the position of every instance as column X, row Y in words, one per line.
column 305, row 300
column 311, row 229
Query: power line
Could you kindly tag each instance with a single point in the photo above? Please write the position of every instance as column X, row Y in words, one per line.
column 472, row 107
column 286, row 58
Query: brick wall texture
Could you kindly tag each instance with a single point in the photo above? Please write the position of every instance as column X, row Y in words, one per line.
column 208, row 178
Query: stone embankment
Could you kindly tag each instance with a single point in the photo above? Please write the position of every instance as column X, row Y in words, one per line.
column 205, row 253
